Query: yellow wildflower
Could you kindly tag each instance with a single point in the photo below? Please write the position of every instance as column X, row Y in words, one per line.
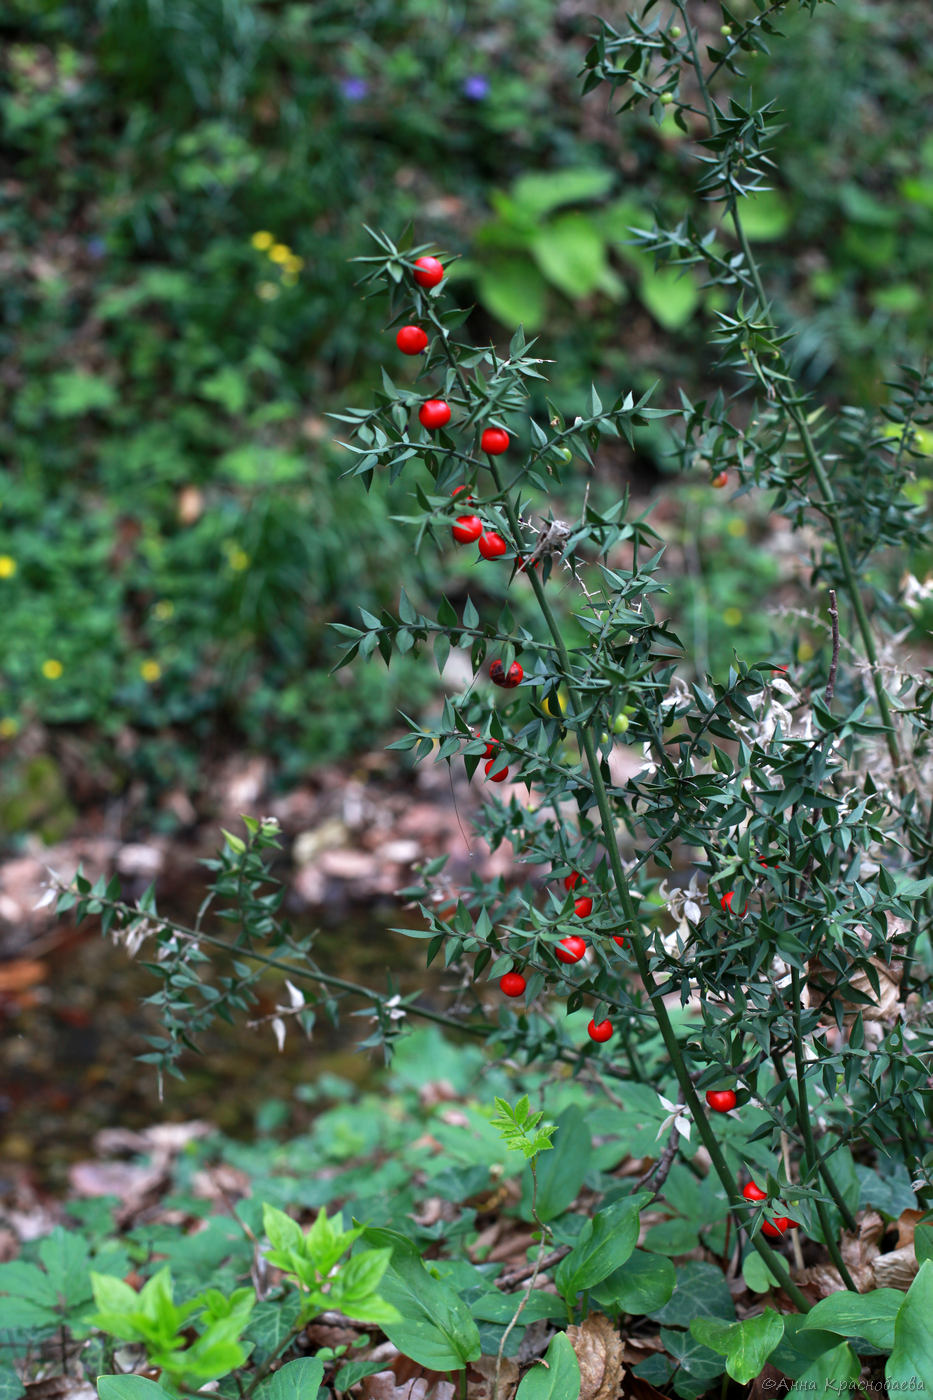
column 239, row 559
column 150, row 670
column 7, row 566
column 262, row 240
column 732, row 617
column 8, row 727
column 164, row 609
column 52, row 669
column 280, row 253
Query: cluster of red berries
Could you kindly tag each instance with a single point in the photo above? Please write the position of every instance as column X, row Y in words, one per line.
column 468, row 529
column 569, row 950
column 502, row 772
column 774, row 1229
column 435, row 413
column 722, row 1101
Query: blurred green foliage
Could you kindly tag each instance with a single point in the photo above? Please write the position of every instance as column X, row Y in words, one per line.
column 179, row 315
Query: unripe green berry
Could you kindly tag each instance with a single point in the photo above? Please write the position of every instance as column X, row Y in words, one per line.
column 726, row 29
column 667, row 98
column 620, row 724
column 675, row 31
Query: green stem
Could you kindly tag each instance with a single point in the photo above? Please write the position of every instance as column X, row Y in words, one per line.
column 828, row 502
column 772, row 1260
column 819, row 1159
column 806, row 1127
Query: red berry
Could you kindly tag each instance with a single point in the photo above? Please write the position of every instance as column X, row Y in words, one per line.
column 498, row 777
column 751, row 1192
column 411, row 340
column 600, row 1032
column 722, row 479
column 513, row 984
column 775, row 1228
column 467, row 529
column 434, row 413
column 508, row 681
column 726, row 903
column 570, row 950
column 617, row 938
column 583, row 907
column 494, row 441
column 428, row 271
column 491, row 544
column 571, row 881
column 721, row 1100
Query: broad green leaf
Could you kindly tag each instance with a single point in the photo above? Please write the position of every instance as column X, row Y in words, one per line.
column 129, row 1388
column 559, row 1380
column 745, row 1345
column 700, row 1291
column 27, row 1282
column 868, row 1315
column 670, row 294
column 572, row 255
column 270, row 1324
column 756, row 1273
column 436, row 1328
column 359, row 1277
column 911, row 1358
column 672, row 1237
column 798, row 1348
column 831, row 1371
column 890, row 1192
column 354, row 1371
column 923, row 1242
column 604, row 1245
column 765, row 214
column 540, row 192
column 65, row 1258
column 11, row 1387
column 296, row 1380
column 74, row 392
column 560, row 1171
column 643, row 1284
column 112, row 1295
column 699, row 1362
column 501, row 1307
column 514, row 291
column 282, row 1232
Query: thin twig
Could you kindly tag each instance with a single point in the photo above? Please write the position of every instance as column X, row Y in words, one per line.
column 834, row 614
column 517, row 1276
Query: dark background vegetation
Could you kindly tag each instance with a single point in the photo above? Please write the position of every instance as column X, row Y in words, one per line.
column 175, row 532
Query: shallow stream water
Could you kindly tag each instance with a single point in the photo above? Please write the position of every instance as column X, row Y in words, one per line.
column 67, row 1050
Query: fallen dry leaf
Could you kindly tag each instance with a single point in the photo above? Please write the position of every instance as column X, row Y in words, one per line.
column 599, row 1352
column 896, row 1269
column 634, row 1388
column 906, row 1222
column 481, row 1373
